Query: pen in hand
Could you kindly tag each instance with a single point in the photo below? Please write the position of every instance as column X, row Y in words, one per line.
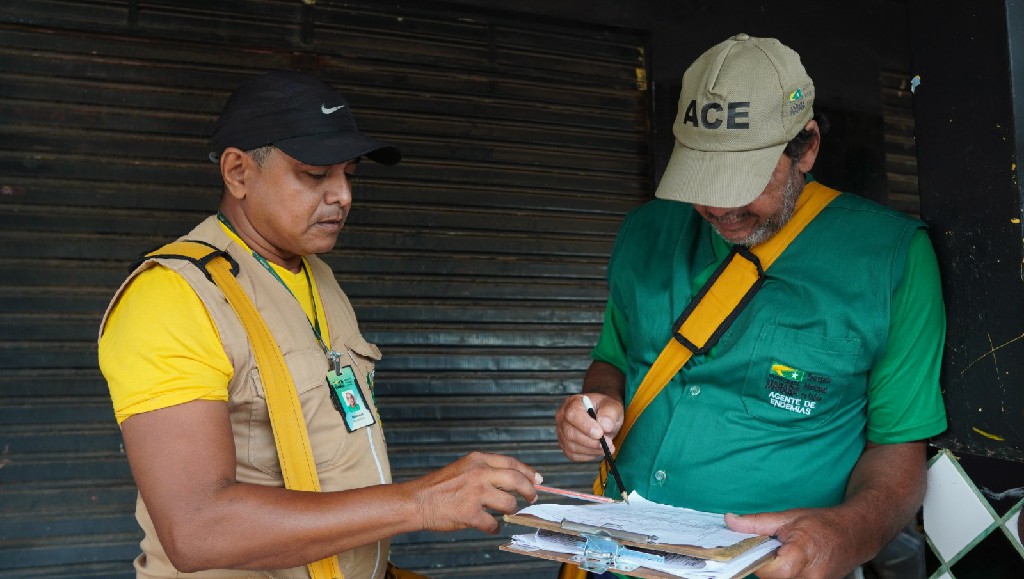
column 607, row 452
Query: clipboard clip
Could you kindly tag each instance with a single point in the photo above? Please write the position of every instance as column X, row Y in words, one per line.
column 600, row 551
column 618, row 534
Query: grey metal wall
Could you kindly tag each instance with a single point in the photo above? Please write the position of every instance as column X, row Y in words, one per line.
column 477, row 264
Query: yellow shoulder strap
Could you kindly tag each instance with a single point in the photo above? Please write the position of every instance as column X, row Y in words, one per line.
column 713, row 309
column 286, row 419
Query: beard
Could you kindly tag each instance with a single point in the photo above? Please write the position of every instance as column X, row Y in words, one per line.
column 774, row 222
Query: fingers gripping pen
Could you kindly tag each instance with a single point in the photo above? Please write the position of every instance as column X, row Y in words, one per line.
column 607, row 452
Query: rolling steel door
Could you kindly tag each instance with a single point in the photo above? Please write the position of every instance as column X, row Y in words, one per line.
column 477, row 264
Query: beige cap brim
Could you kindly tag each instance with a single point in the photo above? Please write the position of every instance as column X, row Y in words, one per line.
column 718, row 178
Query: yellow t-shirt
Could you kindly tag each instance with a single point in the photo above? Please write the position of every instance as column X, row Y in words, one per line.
column 160, row 347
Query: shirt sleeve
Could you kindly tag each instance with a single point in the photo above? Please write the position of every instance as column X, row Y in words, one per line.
column 160, row 348
column 904, row 395
column 610, row 347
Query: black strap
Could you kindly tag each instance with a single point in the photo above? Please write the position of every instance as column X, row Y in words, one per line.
column 200, row 262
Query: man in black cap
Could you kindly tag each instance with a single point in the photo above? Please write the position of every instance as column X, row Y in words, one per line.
column 209, row 445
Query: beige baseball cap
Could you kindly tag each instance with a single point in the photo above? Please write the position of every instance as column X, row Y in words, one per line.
column 742, row 101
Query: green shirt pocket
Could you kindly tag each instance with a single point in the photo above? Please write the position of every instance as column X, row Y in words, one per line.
column 797, row 379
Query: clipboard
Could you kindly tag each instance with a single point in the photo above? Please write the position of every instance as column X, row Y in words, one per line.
column 607, row 549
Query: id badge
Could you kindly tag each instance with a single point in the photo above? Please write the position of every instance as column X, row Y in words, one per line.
column 348, row 399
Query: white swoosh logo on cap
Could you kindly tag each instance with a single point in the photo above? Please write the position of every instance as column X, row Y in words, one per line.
column 327, row 111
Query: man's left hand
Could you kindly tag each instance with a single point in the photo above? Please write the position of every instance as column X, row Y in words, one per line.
column 815, row 543
column 885, row 490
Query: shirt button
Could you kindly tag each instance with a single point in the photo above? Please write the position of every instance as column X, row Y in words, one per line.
column 660, row 476
column 694, row 390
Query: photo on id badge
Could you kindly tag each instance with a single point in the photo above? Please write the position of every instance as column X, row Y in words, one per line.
column 348, row 399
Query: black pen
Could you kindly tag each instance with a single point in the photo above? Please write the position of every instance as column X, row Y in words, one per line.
column 607, row 452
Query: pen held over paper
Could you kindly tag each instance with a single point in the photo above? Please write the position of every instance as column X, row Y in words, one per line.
column 607, row 452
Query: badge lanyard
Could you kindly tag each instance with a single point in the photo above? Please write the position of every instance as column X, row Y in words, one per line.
column 345, row 392
column 332, row 355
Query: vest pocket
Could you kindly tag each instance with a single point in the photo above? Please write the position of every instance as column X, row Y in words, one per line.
column 365, row 355
column 326, row 430
column 797, row 379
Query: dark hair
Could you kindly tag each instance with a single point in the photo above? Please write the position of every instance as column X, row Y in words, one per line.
column 260, row 154
column 796, row 147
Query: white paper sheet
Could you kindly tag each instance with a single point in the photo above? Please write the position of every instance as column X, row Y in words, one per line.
column 664, row 523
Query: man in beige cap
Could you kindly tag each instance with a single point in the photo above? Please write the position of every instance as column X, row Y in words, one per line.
column 808, row 418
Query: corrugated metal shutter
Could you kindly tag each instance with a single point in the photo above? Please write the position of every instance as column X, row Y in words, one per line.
column 477, row 264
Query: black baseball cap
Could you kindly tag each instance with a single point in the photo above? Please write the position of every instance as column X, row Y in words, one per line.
column 299, row 114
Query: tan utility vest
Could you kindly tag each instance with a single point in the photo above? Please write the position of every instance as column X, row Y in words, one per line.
column 344, row 460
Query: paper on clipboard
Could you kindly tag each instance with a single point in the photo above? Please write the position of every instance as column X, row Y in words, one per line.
column 663, row 523
column 647, row 539
column 673, row 564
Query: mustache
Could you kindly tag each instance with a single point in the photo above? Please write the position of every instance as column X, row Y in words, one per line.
column 339, row 217
column 730, row 217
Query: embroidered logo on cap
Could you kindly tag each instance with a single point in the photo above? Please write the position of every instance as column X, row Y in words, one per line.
column 327, row 111
column 796, row 95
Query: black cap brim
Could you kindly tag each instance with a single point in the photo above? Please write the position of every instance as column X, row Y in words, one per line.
column 333, row 148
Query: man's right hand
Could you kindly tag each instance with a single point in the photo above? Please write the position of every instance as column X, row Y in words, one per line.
column 459, row 495
column 579, row 435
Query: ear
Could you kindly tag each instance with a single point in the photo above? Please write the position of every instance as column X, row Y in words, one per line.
column 234, row 169
column 806, row 161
